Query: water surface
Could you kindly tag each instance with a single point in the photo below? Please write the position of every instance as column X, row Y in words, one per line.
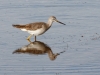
column 79, row 38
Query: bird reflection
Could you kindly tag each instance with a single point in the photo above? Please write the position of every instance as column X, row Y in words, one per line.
column 38, row 48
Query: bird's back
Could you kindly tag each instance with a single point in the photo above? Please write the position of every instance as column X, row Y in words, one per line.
column 31, row 26
column 35, row 26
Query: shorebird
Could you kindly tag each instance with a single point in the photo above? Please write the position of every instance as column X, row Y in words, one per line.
column 38, row 48
column 37, row 28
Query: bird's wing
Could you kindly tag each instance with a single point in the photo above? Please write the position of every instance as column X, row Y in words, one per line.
column 35, row 26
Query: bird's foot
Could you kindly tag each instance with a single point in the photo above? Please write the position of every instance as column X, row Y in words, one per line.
column 29, row 40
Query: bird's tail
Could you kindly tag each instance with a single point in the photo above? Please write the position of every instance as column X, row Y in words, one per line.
column 19, row 26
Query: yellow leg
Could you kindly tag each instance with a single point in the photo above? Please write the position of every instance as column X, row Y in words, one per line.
column 29, row 41
column 28, row 38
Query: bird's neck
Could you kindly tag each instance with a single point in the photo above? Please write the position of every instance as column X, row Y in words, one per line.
column 49, row 23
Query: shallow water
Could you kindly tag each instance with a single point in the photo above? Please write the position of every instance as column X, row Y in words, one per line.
column 80, row 38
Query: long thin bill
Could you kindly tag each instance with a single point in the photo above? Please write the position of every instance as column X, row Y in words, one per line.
column 60, row 22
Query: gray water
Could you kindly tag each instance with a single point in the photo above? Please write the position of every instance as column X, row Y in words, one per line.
column 80, row 38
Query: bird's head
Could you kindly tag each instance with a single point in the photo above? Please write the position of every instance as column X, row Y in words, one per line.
column 53, row 18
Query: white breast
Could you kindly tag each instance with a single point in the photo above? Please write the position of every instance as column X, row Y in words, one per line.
column 37, row 32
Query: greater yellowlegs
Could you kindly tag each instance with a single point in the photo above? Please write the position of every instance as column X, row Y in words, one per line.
column 37, row 28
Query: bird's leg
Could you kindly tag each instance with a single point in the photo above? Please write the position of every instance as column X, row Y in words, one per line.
column 35, row 38
column 28, row 38
column 29, row 41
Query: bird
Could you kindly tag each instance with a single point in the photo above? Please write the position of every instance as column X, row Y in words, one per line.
column 37, row 28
